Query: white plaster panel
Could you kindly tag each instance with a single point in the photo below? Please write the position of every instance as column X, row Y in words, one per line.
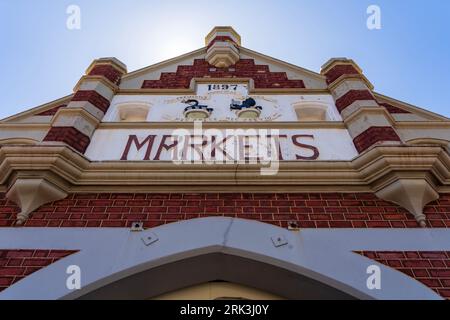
column 78, row 122
column 357, row 105
column 332, row 144
column 89, row 107
column 363, row 122
column 97, row 86
column 170, row 107
column 347, row 85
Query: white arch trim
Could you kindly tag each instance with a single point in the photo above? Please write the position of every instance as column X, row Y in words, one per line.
column 109, row 255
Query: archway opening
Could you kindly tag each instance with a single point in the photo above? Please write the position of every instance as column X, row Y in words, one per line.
column 249, row 275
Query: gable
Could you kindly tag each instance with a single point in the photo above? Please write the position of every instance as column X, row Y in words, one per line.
column 402, row 111
column 39, row 114
column 265, row 71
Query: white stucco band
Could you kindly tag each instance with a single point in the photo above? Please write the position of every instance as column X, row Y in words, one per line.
column 361, row 122
column 89, row 107
column 97, row 86
column 345, row 86
column 358, row 104
column 81, row 121
column 109, row 255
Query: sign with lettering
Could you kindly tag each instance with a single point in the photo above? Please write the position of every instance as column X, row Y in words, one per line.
column 221, row 145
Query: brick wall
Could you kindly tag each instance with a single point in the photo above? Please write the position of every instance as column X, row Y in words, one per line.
column 339, row 70
column 18, row 264
column 78, row 140
column 352, row 96
column 107, row 71
column 393, row 109
column 309, row 210
column 430, row 268
column 374, row 135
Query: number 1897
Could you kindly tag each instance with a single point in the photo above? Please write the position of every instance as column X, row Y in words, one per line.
column 232, row 87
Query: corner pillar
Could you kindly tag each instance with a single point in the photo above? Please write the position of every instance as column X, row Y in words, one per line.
column 367, row 122
column 75, row 124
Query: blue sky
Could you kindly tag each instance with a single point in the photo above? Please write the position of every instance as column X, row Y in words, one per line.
column 408, row 59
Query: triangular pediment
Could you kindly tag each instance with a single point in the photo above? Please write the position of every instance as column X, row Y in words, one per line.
column 177, row 72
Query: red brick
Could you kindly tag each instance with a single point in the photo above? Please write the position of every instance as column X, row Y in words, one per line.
column 107, row 71
column 6, row 282
column 433, row 255
column 339, row 70
column 19, row 253
column 416, row 264
column 114, row 224
column 328, row 210
column 378, row 224
column 12, row 271
column 386, row 255
column 36, row 262
column 421, row 273
column 445, row 293
column 373, row 135
column 95, row 98
column 432, row 283
column 440, row 273
column 69, row 135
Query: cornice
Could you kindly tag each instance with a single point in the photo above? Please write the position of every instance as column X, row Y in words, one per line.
column 371, row 171
column 423, row 125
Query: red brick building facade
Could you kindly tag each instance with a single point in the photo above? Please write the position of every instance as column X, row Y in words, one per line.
column 112, row 182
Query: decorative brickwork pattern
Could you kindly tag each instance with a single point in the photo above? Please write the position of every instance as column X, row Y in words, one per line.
column 107, row 71
column 244, row 68
column 430, row 268
column 52, row 111
column 352, row 96
column 18, row 264
column 373, row 135
column 69, row 135
column 334, row 73
column 93, row 97
column 309, row 210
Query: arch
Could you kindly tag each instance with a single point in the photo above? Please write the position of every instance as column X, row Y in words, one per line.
column 174, row 256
